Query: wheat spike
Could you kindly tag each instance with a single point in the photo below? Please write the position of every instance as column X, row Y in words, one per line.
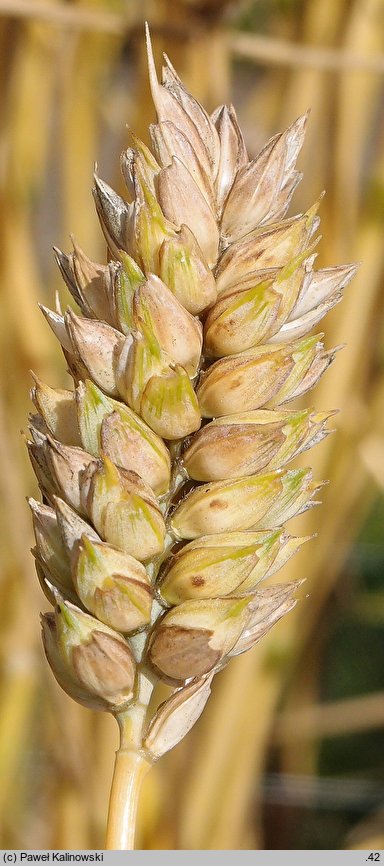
column 166, row 472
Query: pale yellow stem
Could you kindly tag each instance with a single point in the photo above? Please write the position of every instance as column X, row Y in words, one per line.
column 131, row 766
column 130, row 769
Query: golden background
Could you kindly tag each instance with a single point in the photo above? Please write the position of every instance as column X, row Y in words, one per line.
column 72, row 75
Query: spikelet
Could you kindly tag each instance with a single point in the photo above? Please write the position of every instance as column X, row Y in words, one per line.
column 166, row 472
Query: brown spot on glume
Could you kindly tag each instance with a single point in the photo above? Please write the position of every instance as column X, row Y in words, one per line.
column 219, row 504
column 196, row 580
column 235, row 383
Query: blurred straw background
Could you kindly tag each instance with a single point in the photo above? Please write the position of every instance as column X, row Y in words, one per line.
column 289, row 752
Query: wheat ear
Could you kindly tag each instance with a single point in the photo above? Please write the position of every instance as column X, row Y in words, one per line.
column 166, row 474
